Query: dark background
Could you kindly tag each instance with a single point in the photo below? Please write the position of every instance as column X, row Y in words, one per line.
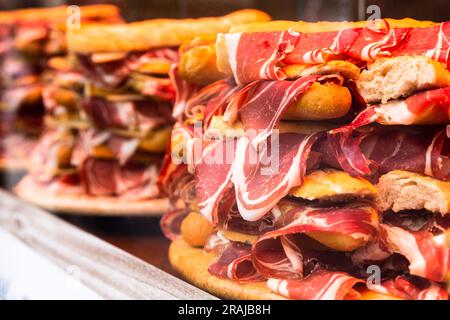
column 310, row 10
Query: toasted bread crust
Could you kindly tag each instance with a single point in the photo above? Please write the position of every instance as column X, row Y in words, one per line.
column 402, row 190
column 59, row 14
column 334, row 185
column 198, row 65
column 29, row 191
column 148, row 34
column 195, row 229
column 192, row 264
column 321, row 102
column 323, row 26
column 397, row 77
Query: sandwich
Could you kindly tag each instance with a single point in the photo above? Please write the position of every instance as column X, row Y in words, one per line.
column 317, row 167
column 28, row 39
column 109, row 116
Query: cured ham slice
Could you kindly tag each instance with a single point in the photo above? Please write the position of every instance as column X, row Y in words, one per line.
column 267, row 101
column 375, row 41
column 258, row 183
column 271, row 48
column 171, row 223
column 428, row 257
column 272, row 51
column 183, row 91
column 113, row 72
column 213, row 177
column 279, row 254
column 373, row 151
column 411, row 288
column 230, row 218
column 319, row 285
column 408, row 111
column 106, row 178
column 235, row 263
column 121, row 148
column 133, row 115
column 260, row 186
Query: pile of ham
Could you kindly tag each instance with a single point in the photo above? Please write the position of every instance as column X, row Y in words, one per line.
column 108, row 120
column 28, row 40
column 303, row 196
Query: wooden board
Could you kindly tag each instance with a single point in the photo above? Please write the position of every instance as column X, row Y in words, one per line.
column 192, row 263
column 109, row 271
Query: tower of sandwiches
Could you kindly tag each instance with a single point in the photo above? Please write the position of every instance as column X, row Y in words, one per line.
column 29, row 38
column 109, row 116
column 312, row 161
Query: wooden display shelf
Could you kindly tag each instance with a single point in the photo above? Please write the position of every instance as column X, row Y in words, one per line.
column 107, row 268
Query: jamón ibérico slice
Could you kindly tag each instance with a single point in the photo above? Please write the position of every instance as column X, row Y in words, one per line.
column 230, row 218
column 102, row 177
column 131, row 115
column 216, row 97
column 346, row 146
column 433, row 42
column 263, row 177
column 428, row 256
column 406, row 112
column 235, row 263
column 183, row 91
column 321, row 47
column 213, row 176
column 378, row 150
column 411, row 288
column 279, row 253
column 266, row 101
column 171, row 222
column 121, row 148
column 319, row 285
column 158, row 88
column 112, row 73
column 375, row 42
column 269, row 49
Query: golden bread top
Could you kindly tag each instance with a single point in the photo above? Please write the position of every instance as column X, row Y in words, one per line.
column 147, row 34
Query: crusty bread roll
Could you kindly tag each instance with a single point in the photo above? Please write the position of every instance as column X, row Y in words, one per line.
column 402, row 190
column 45, row 198
column 198, row 63
column 148, row 34
column 397, row 77
column 195, row 229
column 334, row 185
column 321, row 102
column 372, row 295
column 58, row 15
column 324, row 26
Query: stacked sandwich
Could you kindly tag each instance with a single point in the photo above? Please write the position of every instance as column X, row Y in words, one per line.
column 28, row 39
column 109, row 116
column 319, row 169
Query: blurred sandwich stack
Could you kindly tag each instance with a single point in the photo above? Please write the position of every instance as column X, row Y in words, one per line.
column 109, row 116
column 28, row 39
column 318, row 166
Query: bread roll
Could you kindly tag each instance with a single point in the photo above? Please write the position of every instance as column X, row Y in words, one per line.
column 144, row 35
column 402, row 190
column 399, row 77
